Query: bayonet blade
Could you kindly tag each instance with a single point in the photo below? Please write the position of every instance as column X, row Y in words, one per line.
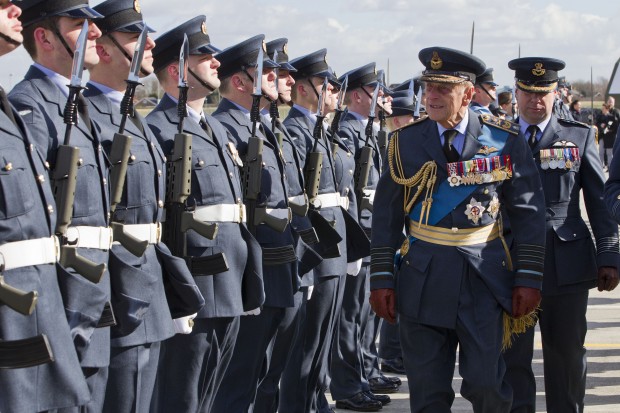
column 258, row 74
column 375, row 96
column 277, row 70
column 320, row 109
column 183, row 65
column 138, row 55
column 78, row 57
column 343, row 91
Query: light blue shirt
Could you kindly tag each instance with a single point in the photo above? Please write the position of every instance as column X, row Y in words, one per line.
column 461, row 128
column 191, row 113
column 523, row 125
column 115, row 96
column 59, row 80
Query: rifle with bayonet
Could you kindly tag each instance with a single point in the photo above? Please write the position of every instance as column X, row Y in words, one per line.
column 253, row 164
column 314, row 161
column 121, row 144
column 335, row 125
column 364, row 161
column 179, row 176
column 65, row 173
column 274, row 113
column 382, row 134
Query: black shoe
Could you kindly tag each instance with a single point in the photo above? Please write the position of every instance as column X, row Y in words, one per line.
column 381, row 398
column 379, row 385
column 392, row 379
column 360, row 403
column 393, row 366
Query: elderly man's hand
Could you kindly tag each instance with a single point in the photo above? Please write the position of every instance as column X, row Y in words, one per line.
column 383, row 302
column 607, row 278
column 524, row 301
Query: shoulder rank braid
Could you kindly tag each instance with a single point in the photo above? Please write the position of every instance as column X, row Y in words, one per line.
column 424, row 178
column 503, row 124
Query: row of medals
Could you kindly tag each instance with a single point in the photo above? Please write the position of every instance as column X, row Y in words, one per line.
column 559, row 158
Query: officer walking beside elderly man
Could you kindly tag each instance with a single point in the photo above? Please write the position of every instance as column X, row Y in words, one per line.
column 196, row 263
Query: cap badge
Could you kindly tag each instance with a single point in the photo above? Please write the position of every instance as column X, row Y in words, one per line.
column 136, row 6
column 436, row 62
column 203, row 28
column 538, row 69
column 264, row 47
column 285, row 48
column 325, row 58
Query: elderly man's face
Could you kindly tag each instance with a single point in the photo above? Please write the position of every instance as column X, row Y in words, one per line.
column 447, row 103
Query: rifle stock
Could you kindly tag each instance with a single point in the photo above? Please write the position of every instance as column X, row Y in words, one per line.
column 252, row 174
column 262, row 217
column 382, row 138
column 86, row 268
column 119, row 158
column 312, row 172
column 362, row 171
column 203, row 228
column 64, row 181
column 131, row 243
column 20, row 301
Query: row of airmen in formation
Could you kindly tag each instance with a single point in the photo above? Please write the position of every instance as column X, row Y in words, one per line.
column 282, row 239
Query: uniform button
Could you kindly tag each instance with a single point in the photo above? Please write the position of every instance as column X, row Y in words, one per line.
column 618, row 197
column 160, row 203
column 503, row 263
column 284, row 176
column 350, row 171
column 105, row 181
column 109, row 215
column 132, row 158
column 41, row 178
column 80, row 162
column 264, row 164
column 346, row 190
column 201, row 163
column 239, row 200
column 50, row 209
column 486, row 191
column 165, row 159
column 574, row 235
column 8, row 166
column 152, row 145
column 348, row 154
column 47, row 164
column 99, row 148
column 31, row 147
column 230, row 174
column 159, row 172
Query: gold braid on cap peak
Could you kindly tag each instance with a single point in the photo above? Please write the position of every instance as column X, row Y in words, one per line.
column 530, row 88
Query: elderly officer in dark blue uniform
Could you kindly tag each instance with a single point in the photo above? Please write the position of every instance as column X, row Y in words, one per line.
column 139, row 299
column 237, row 71
column 286, row 340
column 567, row 159
column 28, row 253
column 449, row 177
column 304, row 383
column 349, row 385
column 485, row 92
column 51, row 29
column 192, row 366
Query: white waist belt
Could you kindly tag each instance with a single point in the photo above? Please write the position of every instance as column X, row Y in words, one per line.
column 30, row 252
column 370, row 195
column 344, row 202
column 326, row 200
column 144, row 232
column 298, row 200
column 221, row 213
column 280, row 213
column 90, row 237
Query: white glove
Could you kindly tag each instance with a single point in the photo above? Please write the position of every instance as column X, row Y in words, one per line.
column 184, row 325
column 353, row 268
column 256, row 311
column 310, row 289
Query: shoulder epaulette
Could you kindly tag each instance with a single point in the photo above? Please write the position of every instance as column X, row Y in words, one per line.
column 415, row 122
column 573, row 122
column 503, row 124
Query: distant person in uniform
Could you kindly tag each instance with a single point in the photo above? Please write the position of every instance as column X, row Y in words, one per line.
column 566, row 159
column 485, row 92
column 607, row 128
column 458, row 284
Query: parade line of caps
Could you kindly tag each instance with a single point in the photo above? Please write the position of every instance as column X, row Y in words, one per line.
column 480, row 171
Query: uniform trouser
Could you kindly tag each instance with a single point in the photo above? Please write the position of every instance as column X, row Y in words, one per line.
column 282, row 350
column 249, row 362
column 96, row 379
column 389, row 344
column 563, row 328
column 192, row 366
column 429, row 355
column 302, row 378
column 370, row 331
column 347, row 366
column 131, row 379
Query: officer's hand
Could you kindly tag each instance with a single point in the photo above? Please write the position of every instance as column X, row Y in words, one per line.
column 524, row 301
column 383, row 302
column 607, row 278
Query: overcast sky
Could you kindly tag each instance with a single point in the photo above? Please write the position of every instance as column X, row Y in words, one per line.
column 583, row 33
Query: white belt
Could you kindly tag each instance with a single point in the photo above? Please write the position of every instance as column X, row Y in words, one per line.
column 344, row 202
column 30, row 252
column 298, row 200
column 370, row 195
column 144, row 232
column 326, row 200
column 90, row 237
column 221, row 213
column 280, row 213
